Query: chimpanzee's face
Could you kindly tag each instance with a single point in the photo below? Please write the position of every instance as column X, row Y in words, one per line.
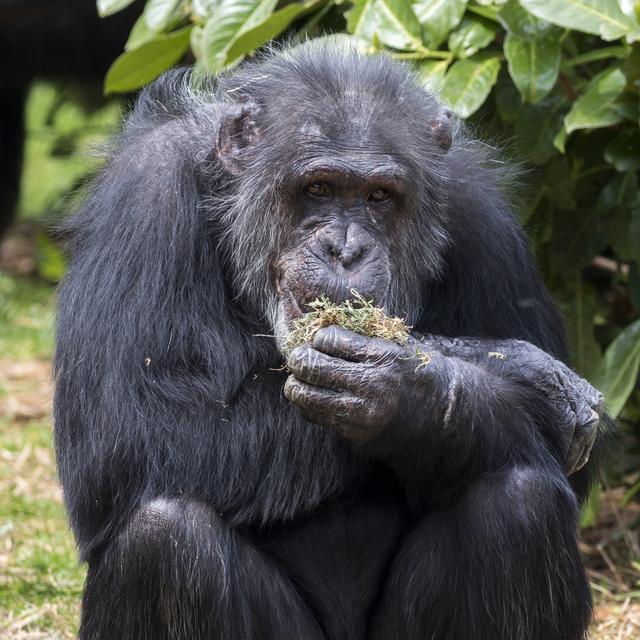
column 337, row 189
column 345, row 209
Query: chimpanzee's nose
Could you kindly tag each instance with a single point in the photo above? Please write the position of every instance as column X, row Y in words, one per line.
column 348, row 251
column 346, row 256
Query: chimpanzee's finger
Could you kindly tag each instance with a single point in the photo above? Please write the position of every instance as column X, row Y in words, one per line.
column 341, row 343
column 330, row 404
column 582, row 442
column 317, row 368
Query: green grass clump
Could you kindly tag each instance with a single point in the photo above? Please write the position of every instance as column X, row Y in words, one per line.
column 358, row 315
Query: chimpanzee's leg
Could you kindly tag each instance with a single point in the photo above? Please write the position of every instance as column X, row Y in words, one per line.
column 501, row 563
column 178, row 572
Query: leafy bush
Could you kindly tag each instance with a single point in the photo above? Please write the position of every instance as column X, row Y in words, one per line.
column 555, row 81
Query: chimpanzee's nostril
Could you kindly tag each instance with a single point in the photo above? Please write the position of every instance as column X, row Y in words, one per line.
column 348, row 257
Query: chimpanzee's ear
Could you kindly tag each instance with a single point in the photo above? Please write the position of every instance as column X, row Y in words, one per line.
column 238, row 131
column 442, row 128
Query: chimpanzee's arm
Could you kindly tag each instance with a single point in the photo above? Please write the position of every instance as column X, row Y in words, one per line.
column 435, row 418
column 578, row 406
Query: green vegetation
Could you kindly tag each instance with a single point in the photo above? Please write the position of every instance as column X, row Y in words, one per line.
column 555, row 82
column 63, row 127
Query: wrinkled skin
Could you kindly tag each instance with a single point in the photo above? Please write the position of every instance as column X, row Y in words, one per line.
column 363, row 386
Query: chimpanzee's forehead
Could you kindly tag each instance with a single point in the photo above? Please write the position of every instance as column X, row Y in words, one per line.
column 349, row 135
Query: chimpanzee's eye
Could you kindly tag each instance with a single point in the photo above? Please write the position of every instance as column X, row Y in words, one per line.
column 317, row 190
column 379, row 195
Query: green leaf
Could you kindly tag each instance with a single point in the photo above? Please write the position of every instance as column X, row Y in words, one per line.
column 437, row 18
column 603, row 18
column 139, row 34
column 49, row 258
column 470, row 36
column 616, row 377
column 591, row 508
column 431, row 74
column 533, row 65
column 468, row 83
column 109, row 7
column 579, row 313
column 536, row 129
column 133, row 69
column 202, row 9
column 613, row 207
column 197, row 36
column 634, row 236
column 596, row 107
column 519, row 22
column 393, row 22
column 158, row 13
column 631, row 8
column 623, row 152
column 230, row 19
column 273, row 26
column 627, row 106
column 507, row 98
column 360, row 17
column 634, row 277
column 560, row 141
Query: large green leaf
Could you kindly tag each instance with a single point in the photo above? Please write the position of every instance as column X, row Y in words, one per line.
column 614, row 205
column 392, row 22
column 596, row 108
column 536, row 129
column 468, row 83
column 437, row 18
column 533, row 64
column 360, row 18
column 519, row 22
column 230, row 19
column 431, row 74
column 202, row 9
column 133, row 69
column 471, row 35
column 158, row 13
column 273, row 26
column 616, row 377
column 579, row 312
column 600, row 17
column 108, row 7
column 139, row 34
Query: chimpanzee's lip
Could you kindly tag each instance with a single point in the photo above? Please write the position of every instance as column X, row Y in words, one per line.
column 292, row 308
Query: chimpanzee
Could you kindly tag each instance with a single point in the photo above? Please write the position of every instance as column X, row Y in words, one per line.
column 360, row 492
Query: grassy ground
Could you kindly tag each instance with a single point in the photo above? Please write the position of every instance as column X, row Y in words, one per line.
column 40, row 579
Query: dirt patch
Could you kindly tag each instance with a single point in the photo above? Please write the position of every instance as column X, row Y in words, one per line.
column 26, row 389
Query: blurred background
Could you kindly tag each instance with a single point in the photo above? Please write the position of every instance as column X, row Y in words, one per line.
column 554, row 83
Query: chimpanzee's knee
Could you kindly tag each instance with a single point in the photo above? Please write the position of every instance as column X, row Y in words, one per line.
column 178, row 571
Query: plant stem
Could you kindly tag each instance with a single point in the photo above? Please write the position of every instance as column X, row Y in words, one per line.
column 598, row 54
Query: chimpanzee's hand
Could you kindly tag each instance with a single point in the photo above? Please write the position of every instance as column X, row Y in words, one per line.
column 360, row 386
column 578, row 405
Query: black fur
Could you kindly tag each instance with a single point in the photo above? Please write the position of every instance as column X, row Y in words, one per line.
column 204, row 503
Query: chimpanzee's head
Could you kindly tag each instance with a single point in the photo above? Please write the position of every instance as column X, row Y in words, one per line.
column 337, row 182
